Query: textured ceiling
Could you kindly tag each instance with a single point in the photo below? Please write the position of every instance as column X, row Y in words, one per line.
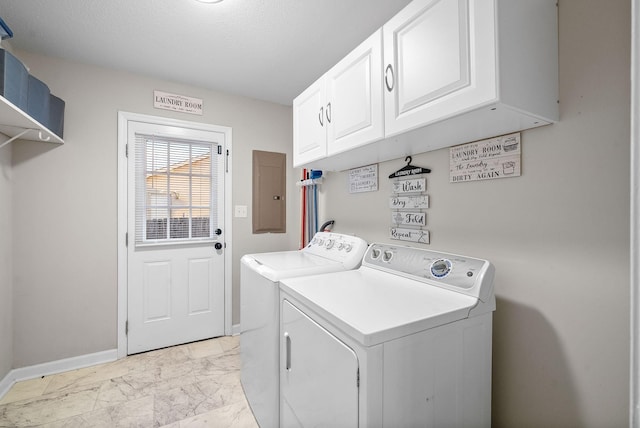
column 264, row 49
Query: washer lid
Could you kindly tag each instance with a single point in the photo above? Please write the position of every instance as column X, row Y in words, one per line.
column 327, row 252
column 287, row 264
column 374, row 307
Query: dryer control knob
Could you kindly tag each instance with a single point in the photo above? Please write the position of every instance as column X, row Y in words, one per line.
column 441, row 268
column 329, row 244
column 348, row 247
column 387, row 256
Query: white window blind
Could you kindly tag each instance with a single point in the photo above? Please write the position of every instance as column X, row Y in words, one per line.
column 175, row 190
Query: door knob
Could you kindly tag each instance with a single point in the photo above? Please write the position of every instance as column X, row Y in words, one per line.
column 218, row 246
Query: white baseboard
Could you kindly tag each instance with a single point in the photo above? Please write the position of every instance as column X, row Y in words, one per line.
column 5, row 384
column 235, row 329
column 53, row 367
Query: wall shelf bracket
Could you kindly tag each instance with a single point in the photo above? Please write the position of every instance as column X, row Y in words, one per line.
column 15, row 137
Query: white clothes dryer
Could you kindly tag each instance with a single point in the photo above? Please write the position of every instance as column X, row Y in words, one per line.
column 260, row 314
column 403, row 341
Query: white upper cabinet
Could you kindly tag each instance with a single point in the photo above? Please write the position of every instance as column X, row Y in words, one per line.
column 354, row 94
column 444, row 58
column 432, row 54
column 309, row 124
column 343, row 109
column 453, row 71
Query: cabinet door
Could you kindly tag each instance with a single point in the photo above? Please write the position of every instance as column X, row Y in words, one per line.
column 354, row 97
column 309, row 124
column 318, row 375
column 439, row 60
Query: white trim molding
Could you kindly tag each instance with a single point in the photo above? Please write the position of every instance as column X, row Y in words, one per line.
column 53, row 367
column 634, row 388
column 235, row 331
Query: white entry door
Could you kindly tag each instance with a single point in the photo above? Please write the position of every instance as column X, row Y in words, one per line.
column 175, row 222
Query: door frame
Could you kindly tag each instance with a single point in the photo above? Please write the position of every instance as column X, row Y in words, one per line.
column 123, row 119
column 634, row 369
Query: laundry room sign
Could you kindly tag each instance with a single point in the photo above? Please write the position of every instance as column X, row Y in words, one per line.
column 363, row 179
column 485, row 160
column 174, row 102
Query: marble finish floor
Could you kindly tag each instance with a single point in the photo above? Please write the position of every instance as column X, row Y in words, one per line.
column 192, row 385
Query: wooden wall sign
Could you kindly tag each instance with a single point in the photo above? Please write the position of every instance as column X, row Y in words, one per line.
column 174, row 102
column 485, row 160
column 363, row 179
column 409, row 186
column 411, row 235
column 409, row 218
column 408, row 204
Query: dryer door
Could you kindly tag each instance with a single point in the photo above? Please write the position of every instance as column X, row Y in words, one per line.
column 318, row 375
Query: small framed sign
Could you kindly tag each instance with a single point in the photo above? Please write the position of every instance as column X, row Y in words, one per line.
column 174, row 102
column 363, row 179
column 485, row 160
column 409, row 202
column 413, row 185
column 406, row 218
column 410, row 235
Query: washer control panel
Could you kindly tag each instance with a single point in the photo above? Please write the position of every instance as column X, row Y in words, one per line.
column 460, row 273
column 336, row 246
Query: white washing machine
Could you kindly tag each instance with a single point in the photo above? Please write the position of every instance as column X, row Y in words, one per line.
column 260, row 313
column 403, row 341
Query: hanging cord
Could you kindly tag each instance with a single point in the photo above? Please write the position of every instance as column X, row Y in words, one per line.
column 327, row 226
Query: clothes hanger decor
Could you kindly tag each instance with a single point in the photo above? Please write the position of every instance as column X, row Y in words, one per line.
column 409, row 169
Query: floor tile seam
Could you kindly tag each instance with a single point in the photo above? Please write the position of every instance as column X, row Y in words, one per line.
column 55, row 420
column 55, row 395
column 28, row 393
column 108, row 409
column 75, row 383
column 195, row 406
column 72, row 389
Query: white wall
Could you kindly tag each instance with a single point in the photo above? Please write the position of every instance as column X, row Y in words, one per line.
column 558, row 236
column 65, row 197
column 6, row 286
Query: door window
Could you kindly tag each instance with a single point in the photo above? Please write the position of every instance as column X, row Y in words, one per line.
column 175, row 190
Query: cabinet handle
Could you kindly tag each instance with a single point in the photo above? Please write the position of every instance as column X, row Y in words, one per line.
column 389, row 71
column 287, row 339
column 321, row 116
column 329, row 113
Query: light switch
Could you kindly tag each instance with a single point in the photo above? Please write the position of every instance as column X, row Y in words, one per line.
column 241, row 211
